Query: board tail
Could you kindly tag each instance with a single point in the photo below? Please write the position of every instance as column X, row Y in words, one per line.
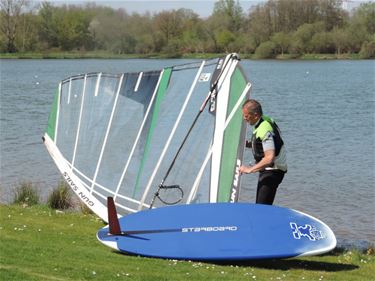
column 114, row 225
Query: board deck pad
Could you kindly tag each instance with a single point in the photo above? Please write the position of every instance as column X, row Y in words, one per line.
column 220, row 231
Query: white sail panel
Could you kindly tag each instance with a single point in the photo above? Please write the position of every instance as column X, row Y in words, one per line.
column 124, row 135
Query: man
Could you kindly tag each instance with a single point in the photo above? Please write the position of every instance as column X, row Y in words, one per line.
column 268, row 150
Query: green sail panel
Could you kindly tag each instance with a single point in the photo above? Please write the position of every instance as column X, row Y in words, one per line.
column 51, row 128
column 124, row 130
column 232, row 138
column 159, row 97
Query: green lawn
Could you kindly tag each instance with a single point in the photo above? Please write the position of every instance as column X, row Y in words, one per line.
column 38, row 243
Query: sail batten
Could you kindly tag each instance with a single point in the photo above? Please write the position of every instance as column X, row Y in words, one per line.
column 161, row 90
column 124, row 135
column 79, row 120
column 97, row 85
column 171, row 135
column 108, row 129
column 138, row 134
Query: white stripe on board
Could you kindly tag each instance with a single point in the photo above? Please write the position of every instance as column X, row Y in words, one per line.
column 193, row 191
column 138, row 81
column 106, row 133
column 221, row 113
column 57, row 113
column 171, row 135
column 97, row 84
column 79, row 121
column 138, row 135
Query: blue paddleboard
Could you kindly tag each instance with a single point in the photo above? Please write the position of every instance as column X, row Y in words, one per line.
column 222, row 231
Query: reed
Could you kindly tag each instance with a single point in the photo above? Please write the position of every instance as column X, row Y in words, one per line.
column 61, row 197
column 26, row 193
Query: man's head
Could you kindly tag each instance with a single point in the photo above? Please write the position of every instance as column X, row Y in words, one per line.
column 252, row 111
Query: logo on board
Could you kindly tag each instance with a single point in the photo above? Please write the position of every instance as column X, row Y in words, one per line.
column 210, row 228
column 204, row 77
column 308, row 231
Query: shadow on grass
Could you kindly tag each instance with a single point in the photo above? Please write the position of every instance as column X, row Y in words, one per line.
column 297, row 264
column 278, row 264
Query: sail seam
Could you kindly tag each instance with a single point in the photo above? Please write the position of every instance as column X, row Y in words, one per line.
column 106, row 133
column 138, row 137
column 79, row 120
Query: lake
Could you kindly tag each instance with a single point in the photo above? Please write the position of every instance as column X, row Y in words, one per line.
column 325, row 109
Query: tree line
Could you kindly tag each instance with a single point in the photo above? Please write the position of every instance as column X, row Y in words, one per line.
column 275, row 27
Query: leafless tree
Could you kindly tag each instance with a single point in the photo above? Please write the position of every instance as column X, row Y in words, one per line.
column 10, row 11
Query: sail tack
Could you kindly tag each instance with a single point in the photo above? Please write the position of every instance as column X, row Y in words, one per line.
column 116, row 135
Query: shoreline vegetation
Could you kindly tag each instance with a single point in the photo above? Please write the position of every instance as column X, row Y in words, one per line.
column 108, row 55
column 281, row 29
column 41, row 243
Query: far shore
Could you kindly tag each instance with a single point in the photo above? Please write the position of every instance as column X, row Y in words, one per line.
column 108, row 55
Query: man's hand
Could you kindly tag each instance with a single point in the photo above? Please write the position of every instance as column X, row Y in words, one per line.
column 246, row 169
column 248, row 144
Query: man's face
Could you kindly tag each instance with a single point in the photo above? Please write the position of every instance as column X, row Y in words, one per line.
column 249, row 116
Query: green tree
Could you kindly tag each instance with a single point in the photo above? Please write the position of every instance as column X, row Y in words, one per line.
column 282, row 41
column 194, row 37
column 259, row 24
column 224, row 38
column 365, row 15
column 48, row 25
column 368, row 50
column 169, row 24
column 229, row 15
column 73, row 28
column 361, row 27
column 341, row 40
column 301, row 42
column 28, row 34
column 322, row 42
column 266, row 50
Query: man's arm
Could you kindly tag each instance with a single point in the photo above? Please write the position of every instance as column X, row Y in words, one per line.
column 267, row 160
column 269, row 156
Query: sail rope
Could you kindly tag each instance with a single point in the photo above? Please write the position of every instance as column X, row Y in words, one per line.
column 212, row 92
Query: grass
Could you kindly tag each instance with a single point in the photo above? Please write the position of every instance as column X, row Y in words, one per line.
column 61, row 197
column 26, row 193
column 38, row 243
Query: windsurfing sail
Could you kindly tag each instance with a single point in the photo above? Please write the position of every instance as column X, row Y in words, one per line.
column 122, row 135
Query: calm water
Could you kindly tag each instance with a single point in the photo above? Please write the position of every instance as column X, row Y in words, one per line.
column 325, row 109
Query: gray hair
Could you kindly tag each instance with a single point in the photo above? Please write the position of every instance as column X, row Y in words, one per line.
column 253, row 106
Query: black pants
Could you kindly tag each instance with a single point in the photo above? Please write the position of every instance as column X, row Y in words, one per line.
column 267, row 186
